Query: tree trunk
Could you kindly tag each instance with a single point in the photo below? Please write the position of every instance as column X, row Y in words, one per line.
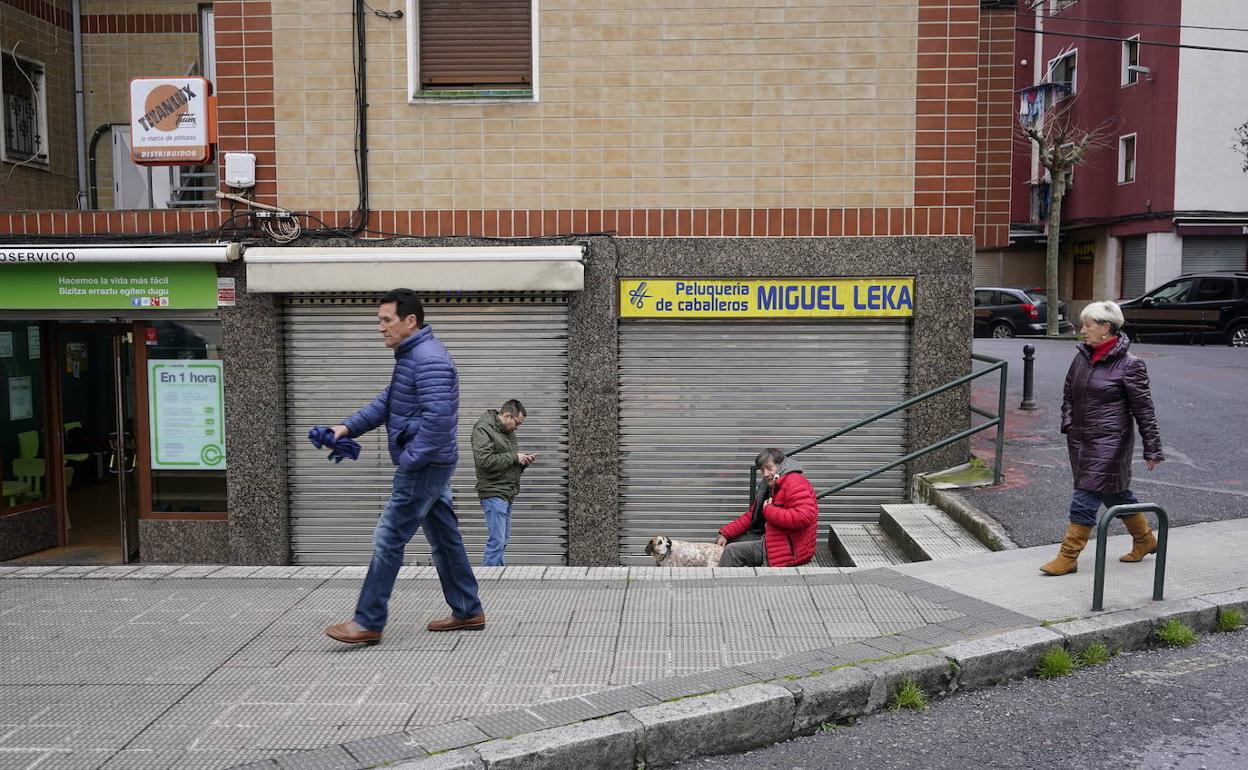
column 1051, row 245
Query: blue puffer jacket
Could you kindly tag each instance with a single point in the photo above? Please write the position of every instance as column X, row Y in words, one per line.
column 420, row 408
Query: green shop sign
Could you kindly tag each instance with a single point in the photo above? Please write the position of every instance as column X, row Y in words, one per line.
column 109, row 286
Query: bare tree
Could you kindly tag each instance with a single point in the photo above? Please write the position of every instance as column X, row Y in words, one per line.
column 1062, row 144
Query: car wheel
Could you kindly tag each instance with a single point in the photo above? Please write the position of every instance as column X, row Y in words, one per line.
column 1002, row 330
column 1237, row 337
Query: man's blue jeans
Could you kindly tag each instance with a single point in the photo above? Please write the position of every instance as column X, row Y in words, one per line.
column 498, row 524
column 1086, row 504
column 420, row 497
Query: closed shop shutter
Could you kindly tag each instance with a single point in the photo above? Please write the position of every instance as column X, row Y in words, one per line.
column 987, row 268
column 504, row 347
column 1202, row 254
column 1134, row 260
column 1012, row 269
column 699, row 400
column 1023, row 271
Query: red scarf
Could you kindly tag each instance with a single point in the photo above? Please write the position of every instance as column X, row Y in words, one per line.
column 1101, row 349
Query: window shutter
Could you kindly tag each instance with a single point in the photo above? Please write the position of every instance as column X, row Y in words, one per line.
column 469, row 43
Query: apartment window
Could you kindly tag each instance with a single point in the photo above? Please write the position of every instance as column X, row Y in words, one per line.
column 1126, row 159
column 1130, row 59
column 1063, row 71
column 23, row 113
column 472, row 48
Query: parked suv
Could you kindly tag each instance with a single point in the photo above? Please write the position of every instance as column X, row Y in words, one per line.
column 1005, row 312
column 1196, row 304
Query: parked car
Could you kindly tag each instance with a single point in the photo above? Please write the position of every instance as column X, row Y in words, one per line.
column 1007, row 312
column 1194, row 304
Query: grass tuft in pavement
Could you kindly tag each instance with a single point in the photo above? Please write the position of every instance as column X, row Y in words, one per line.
column 1230, row 619
column 1175, row 633
column 1054, row 663
column 1094, row 655
column 908, row 695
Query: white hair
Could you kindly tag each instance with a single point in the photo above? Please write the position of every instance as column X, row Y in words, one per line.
column 1104, row 312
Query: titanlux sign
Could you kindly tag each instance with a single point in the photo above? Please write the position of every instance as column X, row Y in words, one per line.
column 171, row 121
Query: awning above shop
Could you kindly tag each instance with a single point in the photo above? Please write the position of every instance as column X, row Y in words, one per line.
column 428, row 268
column 118, row 252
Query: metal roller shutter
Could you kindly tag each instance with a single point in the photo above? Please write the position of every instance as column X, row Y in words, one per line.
column 1202, row 254
column 698, row 400
column 1023, row 271
column 504, row 347
column 987, row 268
column 1134, row 261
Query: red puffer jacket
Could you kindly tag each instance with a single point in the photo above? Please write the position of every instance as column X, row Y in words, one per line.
column 792, row 522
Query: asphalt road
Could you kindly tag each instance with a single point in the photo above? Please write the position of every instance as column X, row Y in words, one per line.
column 1201, row 398
column 1174, row 709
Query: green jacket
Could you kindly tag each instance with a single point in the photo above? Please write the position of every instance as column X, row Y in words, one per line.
column 494, row 455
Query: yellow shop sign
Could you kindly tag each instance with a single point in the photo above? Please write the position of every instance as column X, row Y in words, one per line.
column 783, row 298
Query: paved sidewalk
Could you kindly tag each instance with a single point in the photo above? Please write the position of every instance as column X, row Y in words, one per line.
column 204, row 667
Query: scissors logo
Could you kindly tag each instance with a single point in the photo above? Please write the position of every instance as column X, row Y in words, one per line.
column 637, row 297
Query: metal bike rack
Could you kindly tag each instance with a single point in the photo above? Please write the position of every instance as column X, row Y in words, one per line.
column 1102, row 527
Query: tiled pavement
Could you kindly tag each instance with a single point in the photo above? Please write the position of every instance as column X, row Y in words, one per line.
column 201, row 667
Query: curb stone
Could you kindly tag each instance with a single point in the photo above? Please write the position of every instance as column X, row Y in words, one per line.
column 1198, row 614
column 932, row 674
column 460, row 759
column 1123, row 630
column 726, row 722
column 611, row 743
column 1230, row 600
column 831, row 697
column 1012, row 655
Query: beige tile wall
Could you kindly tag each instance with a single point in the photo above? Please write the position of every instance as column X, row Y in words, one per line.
column 702, row 103
column 53, row 185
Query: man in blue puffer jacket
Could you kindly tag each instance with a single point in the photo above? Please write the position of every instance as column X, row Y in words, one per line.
column 420, row 410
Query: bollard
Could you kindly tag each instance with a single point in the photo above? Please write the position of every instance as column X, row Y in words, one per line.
column 1029, row 371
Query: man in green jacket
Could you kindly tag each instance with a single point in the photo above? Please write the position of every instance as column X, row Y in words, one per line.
column 495, row 452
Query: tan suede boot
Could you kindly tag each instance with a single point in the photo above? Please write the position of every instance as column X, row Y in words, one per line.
column 1068, row 552
column 1145, row 540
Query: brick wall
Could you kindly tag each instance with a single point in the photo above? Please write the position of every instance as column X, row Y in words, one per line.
column 40, row 30
column 995, row 127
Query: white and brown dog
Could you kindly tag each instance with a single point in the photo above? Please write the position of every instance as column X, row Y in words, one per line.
column 678, row 553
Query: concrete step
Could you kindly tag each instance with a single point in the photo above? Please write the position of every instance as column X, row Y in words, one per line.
column 924, row 532
column 864, row 544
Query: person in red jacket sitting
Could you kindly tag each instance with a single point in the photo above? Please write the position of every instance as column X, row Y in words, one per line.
column 780, row 528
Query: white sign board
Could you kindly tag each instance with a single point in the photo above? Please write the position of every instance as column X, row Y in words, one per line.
column 170, row 121
column 186, row 404
column 6, row 344
column 32, row 342
column 21, row 399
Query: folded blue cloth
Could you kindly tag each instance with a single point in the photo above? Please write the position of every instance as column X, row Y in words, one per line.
column 340, row 449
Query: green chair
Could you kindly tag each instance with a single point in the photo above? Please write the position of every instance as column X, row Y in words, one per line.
column 77, row 457
column 30, row 471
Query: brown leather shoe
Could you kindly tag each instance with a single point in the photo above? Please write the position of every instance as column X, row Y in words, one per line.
column 474, row 623
column 352, row 633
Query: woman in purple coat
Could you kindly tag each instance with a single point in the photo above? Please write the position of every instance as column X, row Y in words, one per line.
column 1106, row 397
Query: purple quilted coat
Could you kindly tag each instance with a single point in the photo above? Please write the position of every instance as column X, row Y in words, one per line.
column 1099, row 404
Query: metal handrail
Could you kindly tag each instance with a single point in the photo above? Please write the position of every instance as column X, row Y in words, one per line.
column 1163, row 537
column 994, row 420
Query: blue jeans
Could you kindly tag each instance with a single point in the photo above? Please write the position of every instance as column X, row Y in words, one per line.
column 420, row 497
column 498, row 524
column 1086, row 503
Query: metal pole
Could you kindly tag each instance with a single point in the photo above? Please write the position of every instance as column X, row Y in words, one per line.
column 1163, row 541
column 1000, row 452
column 1029, row 372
